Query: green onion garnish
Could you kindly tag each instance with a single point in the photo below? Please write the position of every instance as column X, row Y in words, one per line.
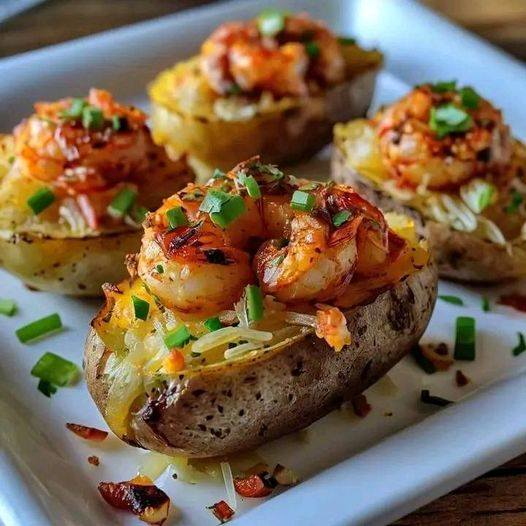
column 138, row 213
column 250, row 183
column 46, row 388
column 423, row 362
column 140, row 308
column 448, row 119
column 75, row 109
column 176, row 217
column 55, row 370
column 515, row 202
column 116, row 122
column 465, row 338
column 302, row 201
column 444, row 85
column 254, row 300
column 218, row 174
column 427, row 398
column 92, row 118
column 278, row 260
column 214, row 200
column 347, row 41
column 340, row 217
column 213, row 324
column 159, row 269
column 230, row 211
column 122, row 202
column 469, row 97
column 7, row 307
column 521, row 347
column 270, row 22
column 312, row 49
column 485, row 304
column 40, row 200
column 177, row 338
column 455, row 300
column 39, row 328
column 234, row 89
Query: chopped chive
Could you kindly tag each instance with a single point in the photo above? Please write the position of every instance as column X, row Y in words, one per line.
column 160, row 269
column 515, row 202
column 485, row 304
column 213, row 324
column 40, row 200
column 218, row 174
column 427, row 398
column 422, row 361
column 270, row 22
column 312, row 49
column 214, row 200
column 302, row 201
column 521, row 347
column 176, row 217
column 340, row 217
column 250, row 183
column 465, row 338
column 138, row 213
column 92, row 118
column 122, row 202
column 277, row 260
column 7, row 307
column 39, row 328
column 140, row 308
column 469, row 97
column 177, row 338
column 230, row 211
column 55, row 370
column 455, row 300
column 347, row 41
column 444, row 86
column 254, row 300
column 75, row 109
column 116, row 122
column 46, row 388
column 448, row 118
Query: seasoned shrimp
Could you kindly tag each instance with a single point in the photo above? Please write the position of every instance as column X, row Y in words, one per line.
column 419, row 148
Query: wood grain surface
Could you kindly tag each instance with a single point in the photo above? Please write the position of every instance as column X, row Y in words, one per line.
column 498, row 497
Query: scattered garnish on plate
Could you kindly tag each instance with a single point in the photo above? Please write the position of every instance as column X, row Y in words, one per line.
column 361, row 406
column 517, row 301
column 39, row 328
column 7, row 307
column 521, row 346
column 486, row 307
column 465, row 338
column 455, row 300
column 88, row 433
column 256, row 485
column 461, row 379
column 438, row 355
column 222, row 511
column 94, row 460
column 285, row 476
column 54, row 371
column 422, row 361
column 427, row 398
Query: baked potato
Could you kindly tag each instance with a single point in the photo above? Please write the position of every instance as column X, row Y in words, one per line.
column 76, row 179
column 257, row 304
column 446, row 153
column 255, row 88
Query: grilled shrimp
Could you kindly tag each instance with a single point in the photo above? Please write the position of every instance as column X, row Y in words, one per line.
column 416, row 151
column 238, row 57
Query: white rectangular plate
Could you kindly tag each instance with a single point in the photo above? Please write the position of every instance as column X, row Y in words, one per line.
column 356, row 471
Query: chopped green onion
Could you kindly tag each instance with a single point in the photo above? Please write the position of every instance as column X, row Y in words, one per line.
column 254, row 300
column 46, row 388
column 214, row 200
column 140, row 308
column 312, row 49
column 176, row 217
column 122, row 202
column 444, row 86
column 302, row 201
column 465, row 338
column 423, row 362
column 178, row 338
column 272, row 170
column 340, row 217
column 448, row 119
column 277, row 260
column 347, row 41
column 213, row 324
column 427, row 398
column 116, row 122
column 160, row 269
column 222, row 207
column 469, row 97
column 40, row 200
column 250, row 183
column 478, row 194
column 92, row 118
column 521, row 347
column 455, row 300
column 39, row 328
column 7, row 307
column 75, row 109
column 138, row 213
column 218, row 174
column 516, row 201
column 234, row 89
column 485, row 304
column 270, row 22
column 55, row 370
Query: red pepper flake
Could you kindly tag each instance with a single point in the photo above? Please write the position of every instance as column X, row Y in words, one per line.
column 516, row 301
column 253, row 486
column 222, row 511
column 88, row 433
column 94, row 460
column 360, row 406
column 461, row 379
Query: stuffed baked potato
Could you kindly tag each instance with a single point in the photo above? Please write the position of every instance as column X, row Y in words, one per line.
column 257, row 304
column 76, row 179
column 272, row 86
column 445, row 152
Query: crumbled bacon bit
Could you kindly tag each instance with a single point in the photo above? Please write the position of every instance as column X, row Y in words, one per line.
column 461, row 379
column 361, row 406
column 255, row 486
column 88, row 433
column 516, row 301
column 438, row 355
column 222, row 511
column 94, row 460
column 331, row 325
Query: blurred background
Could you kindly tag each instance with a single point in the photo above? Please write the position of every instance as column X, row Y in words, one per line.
column 503, row 22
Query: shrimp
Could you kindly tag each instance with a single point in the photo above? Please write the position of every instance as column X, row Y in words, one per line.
column 415, row 155
column 238, row 56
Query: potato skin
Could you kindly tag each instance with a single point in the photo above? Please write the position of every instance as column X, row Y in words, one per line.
column 239, row 405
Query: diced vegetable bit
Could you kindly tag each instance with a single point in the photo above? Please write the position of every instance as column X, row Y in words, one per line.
column 254, row 300
column 521, row 347
column 285, row 476
column 46, row 388
column 444, row 85
column 270, row 22
column 312, row 49
column 160, row 269
column 138, row 213
column 94, row 460
column 461, row 379
column 39, row 328
column 347, row 41
column 485, row 304
column 92, row 118
column 87, row 433
column 361, row 406
column 250, row 183
column 255, row 486
column 222, row 511
column 40, row 200
column 340, row 218
column 223, row 208
column 7, row 307
column 302, row 201
column 178, row 338
column 516, row 200
column 469, row 97
column 427, row 398
column 424, row 363
column 176, row 217
column 140, row 308
column 75, row 109
column 55, row 370
column 213, row 324
column 455, row 300
column 218, row 174
column 465, row 338
column 448, row 118
column 122, row 202
column 438, row 355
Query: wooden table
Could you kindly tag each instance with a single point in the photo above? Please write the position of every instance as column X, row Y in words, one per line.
column 497, row 498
